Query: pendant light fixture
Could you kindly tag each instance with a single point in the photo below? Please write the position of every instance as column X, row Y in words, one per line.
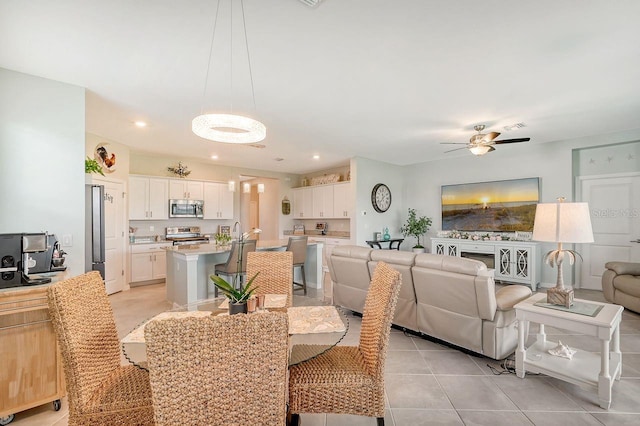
column 229, row 128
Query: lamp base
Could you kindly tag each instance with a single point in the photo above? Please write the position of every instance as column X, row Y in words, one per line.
column 560, row 296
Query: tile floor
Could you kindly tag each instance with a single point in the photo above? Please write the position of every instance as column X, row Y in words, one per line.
column 431, row 384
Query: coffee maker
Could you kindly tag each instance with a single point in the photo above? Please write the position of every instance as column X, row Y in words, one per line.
column 45, row 260
column 16, row 259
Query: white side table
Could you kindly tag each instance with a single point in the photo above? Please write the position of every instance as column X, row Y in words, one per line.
column 585, row 368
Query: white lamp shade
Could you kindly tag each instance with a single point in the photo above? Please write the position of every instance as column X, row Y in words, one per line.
column 563, row 223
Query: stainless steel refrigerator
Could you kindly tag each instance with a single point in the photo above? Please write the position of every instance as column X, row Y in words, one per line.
column 94, row 229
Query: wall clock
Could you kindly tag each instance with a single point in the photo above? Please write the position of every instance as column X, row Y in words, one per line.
column 381, row 198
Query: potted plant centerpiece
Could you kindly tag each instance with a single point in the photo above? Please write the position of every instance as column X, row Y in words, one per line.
column 237, row 293
column 416, row 227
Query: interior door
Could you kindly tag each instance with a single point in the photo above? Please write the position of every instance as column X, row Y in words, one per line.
column 614, row 204
column 114, row 238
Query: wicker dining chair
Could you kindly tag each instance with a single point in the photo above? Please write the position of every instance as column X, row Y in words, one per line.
column 275, row 272
column 350, row 379
column 100, row 390
column 298, row 246
column 219, row 370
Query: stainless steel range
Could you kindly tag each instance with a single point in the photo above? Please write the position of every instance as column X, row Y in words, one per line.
column 185, row 235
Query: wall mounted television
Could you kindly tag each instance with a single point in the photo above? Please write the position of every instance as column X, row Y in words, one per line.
column 497, row 206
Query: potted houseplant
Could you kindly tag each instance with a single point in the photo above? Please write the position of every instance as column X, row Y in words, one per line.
column 92, row 166
column 237, row 297
column 416, row 227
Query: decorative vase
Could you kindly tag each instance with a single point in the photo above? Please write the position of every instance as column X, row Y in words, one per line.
column 418, row 250
column 237, row 308
column 386, row 236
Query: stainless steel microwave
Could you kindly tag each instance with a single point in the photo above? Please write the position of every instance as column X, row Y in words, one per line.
column 186, row 208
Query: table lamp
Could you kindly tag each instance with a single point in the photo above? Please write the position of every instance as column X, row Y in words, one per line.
column 562, row 223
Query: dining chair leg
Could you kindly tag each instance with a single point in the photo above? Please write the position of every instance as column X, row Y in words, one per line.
column 380, row 421
column 304, row 279
column 294, row 419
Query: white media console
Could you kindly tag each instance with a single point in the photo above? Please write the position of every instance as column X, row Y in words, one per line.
column 513, row 261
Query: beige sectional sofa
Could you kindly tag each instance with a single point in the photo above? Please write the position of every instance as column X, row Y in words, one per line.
column 449, row 298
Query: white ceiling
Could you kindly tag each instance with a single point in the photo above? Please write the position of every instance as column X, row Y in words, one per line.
column 386, row 80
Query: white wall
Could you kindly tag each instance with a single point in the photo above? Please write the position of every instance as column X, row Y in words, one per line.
column 553, row 162
column 42, row 151
column 365, row 174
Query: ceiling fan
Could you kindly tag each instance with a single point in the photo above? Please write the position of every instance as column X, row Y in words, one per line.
column 482, row 143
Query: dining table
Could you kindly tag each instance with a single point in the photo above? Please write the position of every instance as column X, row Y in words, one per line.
column 314, row 328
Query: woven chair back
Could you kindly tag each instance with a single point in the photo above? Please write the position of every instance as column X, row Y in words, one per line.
column 377, row 316
column 231, row 266
column 225, row 370
column 276, row 272
column 298, row 246
column 86, row 331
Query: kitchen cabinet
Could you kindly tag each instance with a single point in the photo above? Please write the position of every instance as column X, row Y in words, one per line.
column 186, row 190
column 322, row 201
column 148, row 262
column 342, row 200
column 31, row 373
column 303, row 203
column 218, row 201
column 148, row 198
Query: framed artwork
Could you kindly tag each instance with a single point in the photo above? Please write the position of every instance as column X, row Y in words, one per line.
column 106, row 159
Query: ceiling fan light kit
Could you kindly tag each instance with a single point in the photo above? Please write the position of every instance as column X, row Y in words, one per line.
column 482, row 143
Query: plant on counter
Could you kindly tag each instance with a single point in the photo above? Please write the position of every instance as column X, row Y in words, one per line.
column 92, row 166
column 416, row 227
column 234, row 295
column 222, row 239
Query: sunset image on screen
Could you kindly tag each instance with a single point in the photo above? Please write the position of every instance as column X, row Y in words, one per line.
column 508, row 205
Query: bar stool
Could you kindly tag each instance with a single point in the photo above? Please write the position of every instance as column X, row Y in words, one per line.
column 298, row 246
column 230, row 267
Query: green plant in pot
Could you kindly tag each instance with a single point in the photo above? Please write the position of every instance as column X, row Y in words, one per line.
column 92, row 166
column 416, row 227
column 237, row 297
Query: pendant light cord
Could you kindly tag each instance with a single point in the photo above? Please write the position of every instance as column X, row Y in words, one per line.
column 206, row 78
column 246, row 43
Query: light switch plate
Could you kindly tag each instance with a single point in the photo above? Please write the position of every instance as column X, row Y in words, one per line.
column 67, row 240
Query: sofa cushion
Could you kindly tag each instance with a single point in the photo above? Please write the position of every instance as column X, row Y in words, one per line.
column 629, row 284
column 455, row 264
column 624, row 268
column 393, row 257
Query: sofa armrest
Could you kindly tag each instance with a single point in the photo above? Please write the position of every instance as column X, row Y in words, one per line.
column 624, row 268
column 508, row 296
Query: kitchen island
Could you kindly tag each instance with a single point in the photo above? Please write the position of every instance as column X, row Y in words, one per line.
column 189, row 268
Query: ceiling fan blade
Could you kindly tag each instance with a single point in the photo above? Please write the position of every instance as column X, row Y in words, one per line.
column 490, row 136
column 512, row 140
column 456, row 149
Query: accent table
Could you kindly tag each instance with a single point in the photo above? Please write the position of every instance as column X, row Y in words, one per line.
column 585, row 368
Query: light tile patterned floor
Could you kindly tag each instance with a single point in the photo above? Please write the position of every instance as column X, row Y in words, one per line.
column 431, row 384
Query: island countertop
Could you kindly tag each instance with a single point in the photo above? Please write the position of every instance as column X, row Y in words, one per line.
column 212, row 248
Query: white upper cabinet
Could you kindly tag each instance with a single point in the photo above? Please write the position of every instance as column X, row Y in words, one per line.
column 342, row 200
column 186, row 190
column 303, row 203
column 323, row 201
column 218, row 201
column 148, row 198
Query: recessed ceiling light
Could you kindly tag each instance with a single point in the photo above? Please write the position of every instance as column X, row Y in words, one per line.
column 316, row 157
column 140, row 124
column 214, row 157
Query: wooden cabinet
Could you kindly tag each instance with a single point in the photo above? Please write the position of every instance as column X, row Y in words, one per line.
column 303, row 203
column 148, row 262
column 186, row 190
column 31, row 372
column 342, row 200
column 322, row 201
column 148, row 198
column 218, row 201
column 513, row 261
